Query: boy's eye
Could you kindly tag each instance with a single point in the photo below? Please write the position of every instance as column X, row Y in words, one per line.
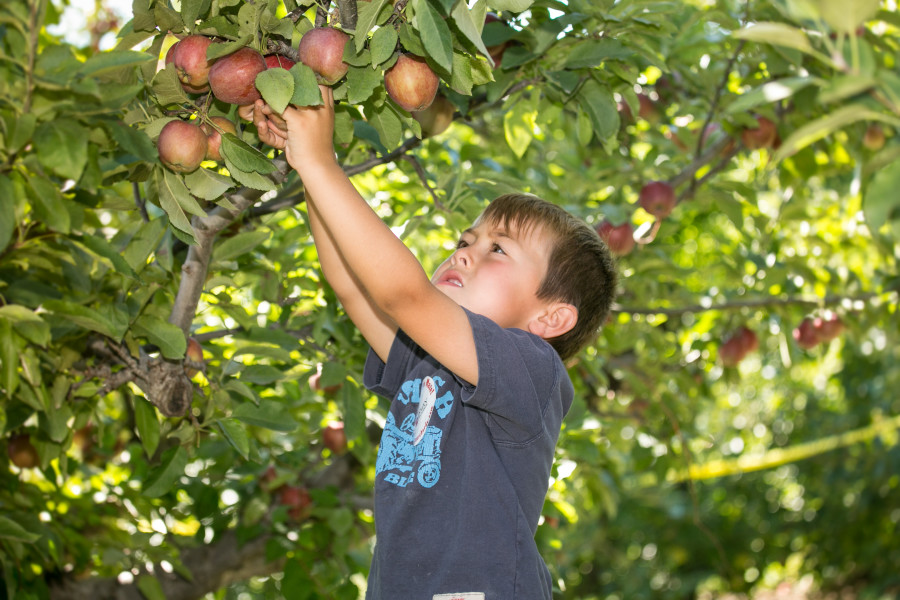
column 497, row 248
column 461, row 244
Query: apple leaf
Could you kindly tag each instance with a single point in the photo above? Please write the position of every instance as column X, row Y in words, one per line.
column 362, row 84
column 174, row 185
column 215, row 51
column 104, row 62
column 102, row 248
column 770, row 92
column 824, row 126
column 143, row 243
column 268, row 415
column 306, row 87
column 462, row 18
column 236, row 434
column 150, row 587
column 9, row 358
column 435, row 34
column 592, row 53
column 7, row 211
column 164, row 477
column 847, row 16
column 48, row 204
column 382, row 46
column 881, row 205
column 845, row 86
column 388, row 124
column 514, row 6
column 600, row 105
column 167, row 337
column 109, row 321
column 366, row 19
column 244, row 156
column 239, row 244
column 27, row 324
column 12, row 530
column 248, row 179
column 171, row 207
column 518, row 124
column 207, row 184
column 61, row 146
column 276, row 87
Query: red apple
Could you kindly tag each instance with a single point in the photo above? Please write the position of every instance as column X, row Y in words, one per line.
column 233, row 77
column 334, row 437
column 874, row 138
column 315, row 382
column 194, row 354
column 297, row 499
column 829, row 327
column 182, row 146
column 322, row 50
column 738, row 345
column 276, row 60
column 806, row 334
column 22, row 452
column 436, row 118
column 764, row 135
column 619, row 238
column 658, row 199
column 214, row 131
column 411, row 83
column 189, row 58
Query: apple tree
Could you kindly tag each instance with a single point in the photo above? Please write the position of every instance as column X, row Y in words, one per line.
column 182, row 412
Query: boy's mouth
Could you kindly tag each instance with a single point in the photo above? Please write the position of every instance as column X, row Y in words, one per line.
column 450, row 278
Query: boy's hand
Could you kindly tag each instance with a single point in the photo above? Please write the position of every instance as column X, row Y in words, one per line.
column 270, row 127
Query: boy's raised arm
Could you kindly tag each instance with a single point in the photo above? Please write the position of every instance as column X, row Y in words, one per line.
column 388, row 274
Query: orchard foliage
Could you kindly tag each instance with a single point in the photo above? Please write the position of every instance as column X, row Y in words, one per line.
column 174, row 369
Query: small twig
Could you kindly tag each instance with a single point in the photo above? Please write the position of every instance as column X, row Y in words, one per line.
column 423, row 177
column 139, row 201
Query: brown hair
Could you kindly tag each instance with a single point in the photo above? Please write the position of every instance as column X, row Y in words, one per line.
column 580, row 271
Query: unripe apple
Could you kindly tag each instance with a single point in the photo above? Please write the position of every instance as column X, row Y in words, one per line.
column 194, row 354
column 436, row 118
column 411, row 83
column 214, row 141
column 334, row 438
column 182, row 146
column 189, row 57
column 274, row 61
column 764, row 135
column 619, row 238
column 322, row 50
column 22, row 452
column 233, row 77
column 806, row 334
column 657, row 198
column 873, row 139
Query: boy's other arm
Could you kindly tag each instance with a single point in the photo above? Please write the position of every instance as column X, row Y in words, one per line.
column 388, row 273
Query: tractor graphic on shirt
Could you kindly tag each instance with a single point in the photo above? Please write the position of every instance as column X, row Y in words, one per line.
column 404, row 461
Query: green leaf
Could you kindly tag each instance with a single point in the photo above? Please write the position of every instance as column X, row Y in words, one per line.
column 147, row 424
column 770, row 92
column 276, row 87
column 514, row 6
column 108, row 320
column 215, row 51
column 11, row 530
column 236, row 434
column 8, row 210
column 353, row 406
column 133, row 140
column 824, row 126
column 175, row 187
column 240, row 244
column 881, row 203
column 388, row 125
column 150, row 587
column 169, row 203
column 249, row 179
column 435, row 34
column 143, row 243
column 207, row 184
column 519, row 123
column 461, row 16
column 366, row 19
column 592, row 53
column 261, row 374
column 845, row 86
column 103, row 62
column 268, row 415
column 362, row 83
column 9, row 358
column 780, row 34
column 847, row 16
column 383, row 44
column 167, row 337
column 600, row 105
column 27, row 324
column 101, row 247
column 166, row 475
column 167, row 89
column 48, row 204
column 244, row 156
column 306, row 88
column 61, row 146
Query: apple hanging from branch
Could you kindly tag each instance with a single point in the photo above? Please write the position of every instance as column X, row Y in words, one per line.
column 322, row 50
column 232, row 78
column 411, row 83
column 182, row 146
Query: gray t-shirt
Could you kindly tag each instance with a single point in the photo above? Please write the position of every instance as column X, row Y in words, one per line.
column 462, row 471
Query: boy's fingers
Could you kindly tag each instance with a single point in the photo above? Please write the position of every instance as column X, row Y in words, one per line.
column 327, row 95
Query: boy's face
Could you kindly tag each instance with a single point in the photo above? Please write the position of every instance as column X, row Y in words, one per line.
column 496, row 272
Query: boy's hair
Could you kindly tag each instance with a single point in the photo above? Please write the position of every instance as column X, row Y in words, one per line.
column 581, row 270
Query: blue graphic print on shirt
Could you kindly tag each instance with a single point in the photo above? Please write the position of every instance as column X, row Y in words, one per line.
column 399, row 456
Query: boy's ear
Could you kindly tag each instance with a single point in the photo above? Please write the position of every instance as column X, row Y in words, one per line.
column 559, row 318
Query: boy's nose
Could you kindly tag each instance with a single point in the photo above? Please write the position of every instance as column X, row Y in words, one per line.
column 462, row 257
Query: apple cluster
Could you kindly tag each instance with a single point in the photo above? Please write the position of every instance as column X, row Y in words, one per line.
column 813, row 331
column 739, row 344
column 619, row 238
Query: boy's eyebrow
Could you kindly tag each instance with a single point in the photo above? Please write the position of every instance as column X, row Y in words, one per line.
column 497, row 231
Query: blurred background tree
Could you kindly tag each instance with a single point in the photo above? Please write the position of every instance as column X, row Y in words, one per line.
column 182, row 411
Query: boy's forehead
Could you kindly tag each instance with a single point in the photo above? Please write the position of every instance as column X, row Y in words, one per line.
column 515, row 229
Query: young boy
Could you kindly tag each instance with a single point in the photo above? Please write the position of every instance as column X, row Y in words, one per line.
column 472, row 361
